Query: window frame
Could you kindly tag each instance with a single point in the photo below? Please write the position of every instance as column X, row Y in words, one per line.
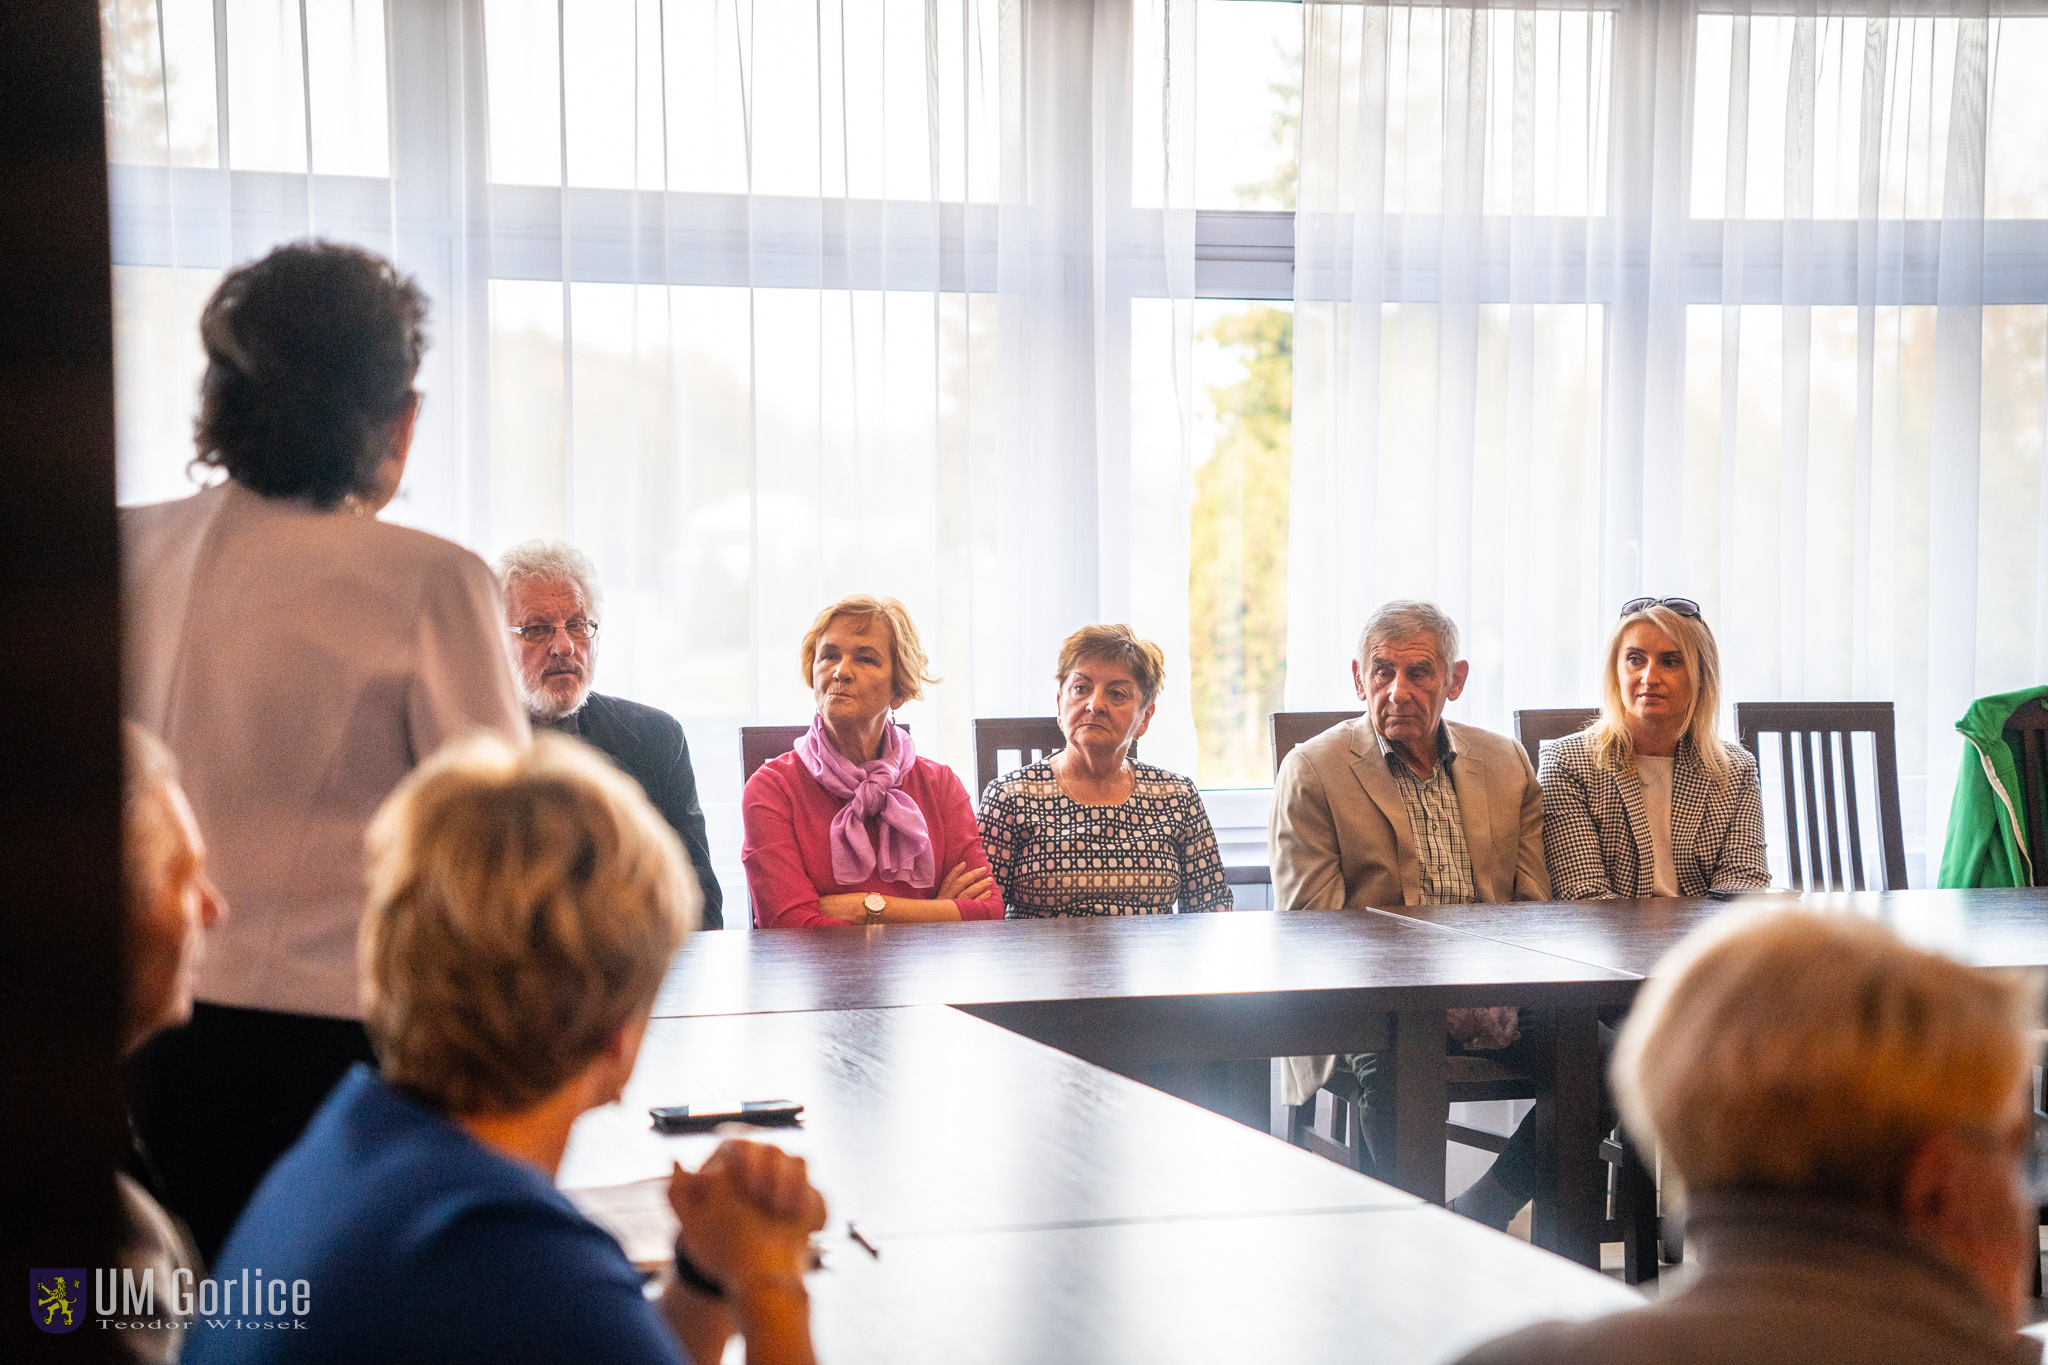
column 206, row 217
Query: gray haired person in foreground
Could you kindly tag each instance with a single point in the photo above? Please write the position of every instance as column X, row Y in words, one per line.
column 1851, row 1117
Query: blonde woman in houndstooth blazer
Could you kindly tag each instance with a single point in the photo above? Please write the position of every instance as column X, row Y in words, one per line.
column 1648, row 800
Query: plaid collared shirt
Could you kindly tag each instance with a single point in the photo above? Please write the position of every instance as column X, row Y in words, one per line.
column 1436, row 822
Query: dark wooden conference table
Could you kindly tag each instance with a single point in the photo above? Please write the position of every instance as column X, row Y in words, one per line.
column 1128, row 993
column 1989, row 928
column 1024, row 1206
column 1992, row 928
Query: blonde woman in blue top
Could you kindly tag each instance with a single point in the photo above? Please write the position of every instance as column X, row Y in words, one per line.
column 523, row 907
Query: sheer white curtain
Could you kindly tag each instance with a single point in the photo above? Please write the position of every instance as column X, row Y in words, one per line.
column 758, row 301
column 1651, row 298
column 763, row 301
column 1454, row 268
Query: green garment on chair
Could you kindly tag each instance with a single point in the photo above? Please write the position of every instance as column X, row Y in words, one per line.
column 1987, row 845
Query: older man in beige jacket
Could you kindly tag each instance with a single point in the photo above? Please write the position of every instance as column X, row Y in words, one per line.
column 1402, row 807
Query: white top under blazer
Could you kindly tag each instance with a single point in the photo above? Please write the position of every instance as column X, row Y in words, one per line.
column 299, row 663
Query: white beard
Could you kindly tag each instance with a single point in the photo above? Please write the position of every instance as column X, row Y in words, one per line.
column 542, row 707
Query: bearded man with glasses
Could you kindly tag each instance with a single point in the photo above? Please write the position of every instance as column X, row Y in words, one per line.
column 552, row 601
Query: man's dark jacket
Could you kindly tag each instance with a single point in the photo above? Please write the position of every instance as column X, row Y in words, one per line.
column 649, row 744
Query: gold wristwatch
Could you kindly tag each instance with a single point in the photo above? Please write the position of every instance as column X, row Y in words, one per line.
column 876, row 904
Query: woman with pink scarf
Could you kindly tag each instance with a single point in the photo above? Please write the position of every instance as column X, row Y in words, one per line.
column 851, row 826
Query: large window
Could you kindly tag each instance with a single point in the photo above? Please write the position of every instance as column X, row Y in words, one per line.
column 1240, row 437
column 1222, row 429
column 872, row 99
column 1229, row 318
column 1239, row 63
column 1863, row 361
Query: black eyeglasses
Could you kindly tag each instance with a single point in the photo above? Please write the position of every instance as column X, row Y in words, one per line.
column 540, row 632
column 1684, row 606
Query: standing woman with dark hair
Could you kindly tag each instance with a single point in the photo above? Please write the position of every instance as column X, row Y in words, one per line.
column 299, row 657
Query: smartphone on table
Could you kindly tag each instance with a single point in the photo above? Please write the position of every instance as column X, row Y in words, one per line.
column 702, row 1118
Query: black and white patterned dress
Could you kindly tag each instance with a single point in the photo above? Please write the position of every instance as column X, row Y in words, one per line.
column 1051, row 855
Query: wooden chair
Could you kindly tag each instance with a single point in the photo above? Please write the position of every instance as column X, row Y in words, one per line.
column 1474, row 1080
column 1346, row 1142
column 759, row 743
column 1289, row 729
column 1633, row 1216
column 2026, row 734
column 1029, row 737
column 1815, row 822
column 1292, row 727
column 1535, row 728
column 1249, row 874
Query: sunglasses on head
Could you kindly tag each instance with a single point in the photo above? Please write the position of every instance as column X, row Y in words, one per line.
column 1684, row 606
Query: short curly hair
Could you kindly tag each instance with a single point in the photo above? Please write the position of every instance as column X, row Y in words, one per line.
column 524, row 905
column 1116, row 644
column 311, row 353
column 912, row 668
column 549, row 559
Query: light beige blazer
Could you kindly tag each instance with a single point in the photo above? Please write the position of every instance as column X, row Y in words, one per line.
column 299, row 663
column 1340, row 834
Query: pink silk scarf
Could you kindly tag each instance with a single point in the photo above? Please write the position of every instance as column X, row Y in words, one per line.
column 871, row 789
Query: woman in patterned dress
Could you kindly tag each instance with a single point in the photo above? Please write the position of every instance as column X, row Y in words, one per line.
column 1088, row 830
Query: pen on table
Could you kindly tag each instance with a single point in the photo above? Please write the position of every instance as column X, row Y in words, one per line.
column 853, row 1231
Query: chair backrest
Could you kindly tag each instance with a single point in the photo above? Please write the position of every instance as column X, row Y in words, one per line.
column 759, row 743
column 1029, row 737
column 1534, row 728
column 2026, row 734
column 1251, row 885
column 1293, row 727
column 1814, row 820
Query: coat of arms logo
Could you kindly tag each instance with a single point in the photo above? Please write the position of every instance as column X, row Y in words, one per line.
column 56, row 1299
